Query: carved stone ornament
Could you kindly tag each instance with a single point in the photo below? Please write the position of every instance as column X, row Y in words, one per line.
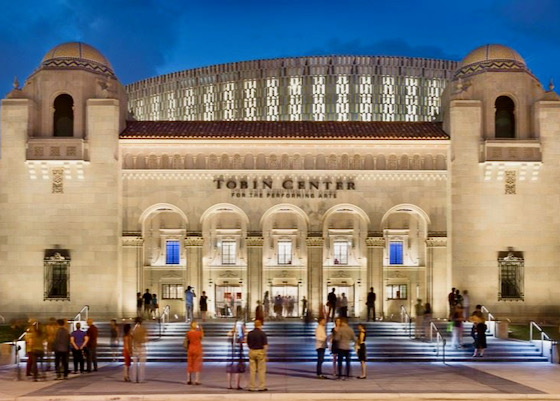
column 395, row 274
column 511, row 181
column 315, row 241
column 436, row 242
column 255, row 241
column 228, row 274
column 58, row 181
column 194, row 241
column 132, row 241
column 340, row 274
column 375, row 242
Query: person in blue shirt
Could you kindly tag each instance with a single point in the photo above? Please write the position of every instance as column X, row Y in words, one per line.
column 189, row 303
column 78, row 343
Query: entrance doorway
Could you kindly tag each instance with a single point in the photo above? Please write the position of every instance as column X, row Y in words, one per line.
column 348, row 291
column 229, row 301
column 284, row 301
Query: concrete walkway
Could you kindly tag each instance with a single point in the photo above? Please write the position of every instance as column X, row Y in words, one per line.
column 386, row 381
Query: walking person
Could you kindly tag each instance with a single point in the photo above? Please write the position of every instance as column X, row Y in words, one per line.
column 479, row 327
column 127, row 350
column 91, row 348
column 37, row 349
column 320, row 346
column 194, row 353
column 258, row 345
column 334, row 345
column 78, row 341
column 361, row 350
column 61, row 347
column 427, row 320
column 259, row 312
column 236, row 364
column 343, row 311
column 114, row 339
column 331, row 302
column 154, row 309
column 139, row 342
column 203, row 305
column 266, row 304
column 147, row 298
column 344, row 335
column 457, row 322
column 189, row 304
column 139, row 304
column 371, row 298
column 418, row 320
column 304, row 307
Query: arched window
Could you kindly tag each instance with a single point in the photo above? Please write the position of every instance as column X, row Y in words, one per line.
column 505, row 117
column 63, row 122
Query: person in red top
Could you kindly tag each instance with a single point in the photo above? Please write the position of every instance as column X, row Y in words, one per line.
column 194, row 352
column 92, row 332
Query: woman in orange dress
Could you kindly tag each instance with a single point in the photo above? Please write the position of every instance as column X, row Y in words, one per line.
column 194, row 352
column 127, row 350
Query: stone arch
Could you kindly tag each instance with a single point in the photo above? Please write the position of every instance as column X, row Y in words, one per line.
column 63, row 116
column 283, row 207
column 159, row 208
column 407, row 208
column 504, row 117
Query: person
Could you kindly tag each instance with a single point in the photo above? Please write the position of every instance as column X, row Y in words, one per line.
column 451, row 302
column 361, row 350
column 334, row 344
column 344, row 335
column 147, row 298
column 427, row 320
column 466, row 305
column 51, row 329
column 371, row 298
column 194, row 352
column 37, row 348
column 60, row 348
column 266, row 304
column 236, row 365
column 78, row 342
column 189, row 303
column 458, row 298
column 258, row 345
column 343, row 311
column 139, row 341
column 259, row 312
column 154, row 307
column 320, row 346
column 127, row 350
column 304, row 307
column 203, row 305
column 91, row 349
column 114, row 338
column 480, row 328
column 457, row 333
column 418, row 321
column 331, row 302
column 139, row 303
column 278, row 306
column 291, row 305
column 478, row 312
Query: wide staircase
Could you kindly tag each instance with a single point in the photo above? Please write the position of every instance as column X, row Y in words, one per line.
column 293, row 341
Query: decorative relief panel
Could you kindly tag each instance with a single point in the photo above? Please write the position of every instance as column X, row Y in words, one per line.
column 436, row 242
column 194, row 241
column 314, row 241
column 511, row 180
column 375, row 242
column 255, row 241
column 58, row 180
column 132, row 241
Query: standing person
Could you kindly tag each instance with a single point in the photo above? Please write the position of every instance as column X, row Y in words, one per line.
column 194, row 352
column 236, row 364
column 344, row 335
column 361, row 350
column 139, row 341
column 427, row 319
column 371, row 298
column 451, row 302
column 147, row 298
column 37, row 349
column 189, row 303
column 304, row 307
column 114, row 341
column 203, row 305
column 343, row 311
column 266, row 304
column 78, row 341
column 457, row 322
column 60, row 347
column 480, row 336
column 331, row 302
column 418, row 321
column 139, row 303
column 278, row 306
column 334, row 345
column 320, row 346
column 92, row 333
column 466, row 305
column 258, row 345
column 51, row 329
column 127, row 350
column 154, row 308
column 259, row 312
column 458, row 298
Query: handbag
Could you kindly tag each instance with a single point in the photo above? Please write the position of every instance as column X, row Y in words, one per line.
column 240, row 362
column 186, row 343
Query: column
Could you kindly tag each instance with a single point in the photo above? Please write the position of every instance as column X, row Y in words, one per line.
column 193, row 272
column 132, row 274
column 375, row 246
column 315, row 272
column 255, row 289
column 437, row 281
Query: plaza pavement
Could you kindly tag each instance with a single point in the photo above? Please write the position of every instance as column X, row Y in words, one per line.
column 297, row 381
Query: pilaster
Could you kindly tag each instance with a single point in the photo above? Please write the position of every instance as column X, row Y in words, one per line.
column 374, row 277
column 315, row 271
column 254, row 272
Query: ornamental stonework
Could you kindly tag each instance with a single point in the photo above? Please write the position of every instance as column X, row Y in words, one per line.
column 511, row 182
column 194, row 241
column 314, row 241
column 375, row 242
column 57, row 180
column 132, row 241
column 255, row 241
column 436, row 242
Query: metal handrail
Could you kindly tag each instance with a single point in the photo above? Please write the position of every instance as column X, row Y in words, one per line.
column 165, row 314
column 3, row 319
column 78, row 317
column 484, row 309
column 439, row 338
column 543, row 335
column 405, row 318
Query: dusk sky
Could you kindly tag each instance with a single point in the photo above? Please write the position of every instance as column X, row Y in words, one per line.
column 144, row 38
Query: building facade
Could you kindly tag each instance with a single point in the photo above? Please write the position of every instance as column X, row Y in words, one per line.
column 97, row 206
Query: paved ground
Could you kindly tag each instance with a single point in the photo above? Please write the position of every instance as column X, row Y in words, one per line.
column 404, row 381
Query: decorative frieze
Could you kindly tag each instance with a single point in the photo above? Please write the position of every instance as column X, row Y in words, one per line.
column 254, row 241
column 375, row 242
column 436, row 242
column 194, row 241
column 132, row 241
column 314, row 241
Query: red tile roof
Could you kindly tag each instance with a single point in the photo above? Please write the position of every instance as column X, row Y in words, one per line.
column 320, row 130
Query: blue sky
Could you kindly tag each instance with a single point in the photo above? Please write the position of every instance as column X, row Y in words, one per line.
column 144, row 38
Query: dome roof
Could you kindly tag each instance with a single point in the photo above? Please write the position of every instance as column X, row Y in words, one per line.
column 495, row 58
column 492, row 52
column 77, row 55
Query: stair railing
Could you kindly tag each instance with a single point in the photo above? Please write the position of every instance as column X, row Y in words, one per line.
column 439, row 340
column 491, row 320
column 165, row 314
column 405, row 318
column 544, row 336
column 85, row 311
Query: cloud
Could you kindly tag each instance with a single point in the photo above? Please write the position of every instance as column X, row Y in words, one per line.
column 386, row 47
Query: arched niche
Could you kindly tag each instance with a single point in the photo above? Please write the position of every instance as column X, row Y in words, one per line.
column 504, row 118
column 63, row 117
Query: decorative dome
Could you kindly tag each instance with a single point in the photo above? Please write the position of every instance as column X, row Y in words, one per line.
column 492, row 57
column 77, row 55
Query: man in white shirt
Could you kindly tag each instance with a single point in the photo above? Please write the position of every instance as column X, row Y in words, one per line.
column 320, row 346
